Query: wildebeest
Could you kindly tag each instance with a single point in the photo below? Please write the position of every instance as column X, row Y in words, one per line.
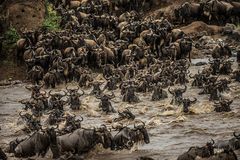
column 223, row 105
column 193, row 152
column 105, row 104
column 81, row 141
column 159, row 93
column 236, row 75
column 74, row 96
column 227, row 154
column 125, row 114
column 217, row 10
column 36, row 144
column 3, row 156
column 128, row 90
column 187, row 103
column 233, row 143
column 188, row 10
column 126, row 137
column 177, row 94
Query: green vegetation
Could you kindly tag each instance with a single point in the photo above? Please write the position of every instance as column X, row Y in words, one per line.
column 52, row 20
column 10, row 37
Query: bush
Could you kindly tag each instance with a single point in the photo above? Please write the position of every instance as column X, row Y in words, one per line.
column 11, row 36
column 52, row 20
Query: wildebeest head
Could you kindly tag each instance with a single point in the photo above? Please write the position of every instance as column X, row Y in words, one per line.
column 103, row 135
column 223, row 105
column 26, row 116
column 235, row 142
column 13, row 144
column 141, row 131
column 184, row 10
column 187, row 103
column 105, row 97
column 58, row 95
column 178, row 91
column 210, row 146
column 37, row 144
column 208, row 8
column 226, row 67
column 128, row 114
column 107, row 137
column 52, row 134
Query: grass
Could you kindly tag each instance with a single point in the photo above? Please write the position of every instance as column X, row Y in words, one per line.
column 52, row 20
column 10, row 37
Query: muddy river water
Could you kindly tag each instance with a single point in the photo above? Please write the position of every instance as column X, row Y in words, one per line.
column 171, row 132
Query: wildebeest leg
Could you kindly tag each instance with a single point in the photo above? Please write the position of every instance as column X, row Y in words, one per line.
column 3, row 156
column 172, row 101
column 112, row 109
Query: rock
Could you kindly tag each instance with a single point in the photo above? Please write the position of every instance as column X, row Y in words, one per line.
column 24, row 14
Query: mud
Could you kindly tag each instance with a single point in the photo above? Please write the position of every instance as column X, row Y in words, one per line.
column 171, row 132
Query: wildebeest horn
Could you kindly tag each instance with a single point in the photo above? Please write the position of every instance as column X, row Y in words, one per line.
column 98, row 96
column 118, row 123
column 190, row 75
column 23, row 101
column 119, row 112
column 111, row 96
column 103, row 125
column 64, row 93
column 117, row 76
column 82, row 92
column 151, row 84
column 141, row 122
column 50, row 93
column 210, row 60
column 170, row 91
column 195, row 100
column 134, row 125
column 74, row 116
column 229, row 101
column 20, row 114
column 113, row 127
column 124, row 85
column 56, row 126
column 213, row 142
column 107, row 78
column 81, row 119
column 185, row 89
column 236, row 136
column 28, row 87
column 68, row 89
column 44, row 93
column 216, row 102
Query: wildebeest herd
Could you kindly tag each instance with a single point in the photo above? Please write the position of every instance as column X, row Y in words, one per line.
column 135, row 54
